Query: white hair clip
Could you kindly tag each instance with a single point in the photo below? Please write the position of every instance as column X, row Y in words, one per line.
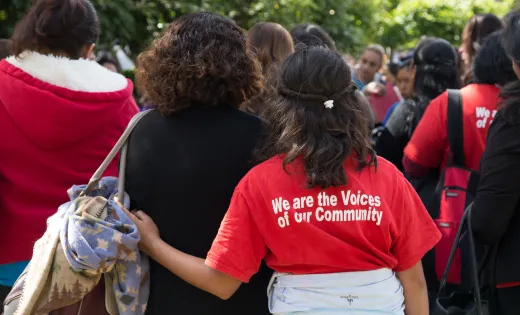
column 329, row 104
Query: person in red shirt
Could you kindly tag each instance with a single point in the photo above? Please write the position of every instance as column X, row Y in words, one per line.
column 343, row 229
column 428, row 147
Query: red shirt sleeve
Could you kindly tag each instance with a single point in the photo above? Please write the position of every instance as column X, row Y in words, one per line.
column 417, row 233
column 428, row 144
column 239, row 247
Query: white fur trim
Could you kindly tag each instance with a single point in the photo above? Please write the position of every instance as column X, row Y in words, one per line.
column 76, row 75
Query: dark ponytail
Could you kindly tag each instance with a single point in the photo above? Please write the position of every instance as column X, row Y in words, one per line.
column 57, row 26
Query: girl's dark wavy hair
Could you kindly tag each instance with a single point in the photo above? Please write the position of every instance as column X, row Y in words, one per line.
column 510, row 93
column 300, row 126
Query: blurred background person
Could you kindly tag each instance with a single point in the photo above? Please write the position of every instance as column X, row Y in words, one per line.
column 271, row 43
column 474, row 34
column 108, row 63
column 428, row 148
column 312, row 35
column 368, row 77
column 404, row 85
column 434, row 69
column 368, row 66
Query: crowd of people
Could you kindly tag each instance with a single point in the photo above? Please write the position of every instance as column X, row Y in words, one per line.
column 335, row 184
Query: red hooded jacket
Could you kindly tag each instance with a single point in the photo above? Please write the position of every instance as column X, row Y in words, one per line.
column 59, row 118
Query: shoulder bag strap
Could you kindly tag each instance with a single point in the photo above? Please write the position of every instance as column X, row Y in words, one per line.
column 474, row 263
column 121, row 145
column 465, row 228
column 455, row 128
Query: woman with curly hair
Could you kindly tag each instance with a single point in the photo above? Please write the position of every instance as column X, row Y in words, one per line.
column 343, row 229
column 186, row 157
column 272, row 43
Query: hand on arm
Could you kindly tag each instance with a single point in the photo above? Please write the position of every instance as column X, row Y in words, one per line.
column 189, row 268
column 374, row 88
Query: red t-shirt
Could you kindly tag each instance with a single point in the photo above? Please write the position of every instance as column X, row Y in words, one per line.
column 429, row 143
column 375, row 221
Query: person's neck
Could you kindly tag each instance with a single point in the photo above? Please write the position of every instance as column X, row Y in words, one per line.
column 56, row 53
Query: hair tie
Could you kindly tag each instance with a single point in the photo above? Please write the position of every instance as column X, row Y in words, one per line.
column 283, row 90
column 329, row 104
column 327, row 101
column 349, row 89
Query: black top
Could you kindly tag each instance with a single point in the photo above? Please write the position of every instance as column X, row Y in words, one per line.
column 182, row 171
column 393, row 138
column 496, row 212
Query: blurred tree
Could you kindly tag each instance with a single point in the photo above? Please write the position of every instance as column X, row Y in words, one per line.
column 404, row 22
column 10, row 12
column 352, row 23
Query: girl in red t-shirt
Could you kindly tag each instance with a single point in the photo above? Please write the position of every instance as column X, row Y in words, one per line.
column 342, row 229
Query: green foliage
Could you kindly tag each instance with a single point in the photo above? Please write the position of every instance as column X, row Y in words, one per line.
column 352, row 23
column 404, row 22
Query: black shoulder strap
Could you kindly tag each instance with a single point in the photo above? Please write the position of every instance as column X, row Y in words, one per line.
column 455, row 128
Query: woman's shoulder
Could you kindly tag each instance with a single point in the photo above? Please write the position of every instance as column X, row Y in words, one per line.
column 504, row 128
column 201, row 118
column 381, row 167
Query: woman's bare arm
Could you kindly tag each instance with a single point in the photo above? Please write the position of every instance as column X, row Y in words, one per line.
column 415, row 290
column 194, row 271
column 189, row 268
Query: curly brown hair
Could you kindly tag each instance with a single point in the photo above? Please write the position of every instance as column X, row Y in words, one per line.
column 301, row 126
column 201, row 59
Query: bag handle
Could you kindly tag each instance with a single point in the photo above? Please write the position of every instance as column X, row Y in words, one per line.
column 121, row 145
column 465, row 222
column 474, row 267
column 455, row 128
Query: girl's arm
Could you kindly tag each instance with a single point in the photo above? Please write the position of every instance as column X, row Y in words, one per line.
column 189, row 268
column 415, row 290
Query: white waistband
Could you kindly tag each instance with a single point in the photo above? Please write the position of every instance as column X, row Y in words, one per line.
column 359, row 293
column 340, row 279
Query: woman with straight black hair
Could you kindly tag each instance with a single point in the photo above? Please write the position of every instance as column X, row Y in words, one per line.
column 343, row 229
column 434, row 70
column 496, row 211
column 428, row 146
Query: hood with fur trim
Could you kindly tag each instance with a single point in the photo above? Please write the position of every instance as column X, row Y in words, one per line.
column 56, row 101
